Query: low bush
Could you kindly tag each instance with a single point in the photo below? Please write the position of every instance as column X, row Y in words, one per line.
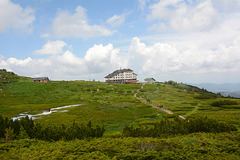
column 166, row 127
column 205, row 96
column 223, row 102
column 27, row 128
column 193, row 146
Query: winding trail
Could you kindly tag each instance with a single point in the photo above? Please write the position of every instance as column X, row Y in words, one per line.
column 194, row 110
column 154, row 106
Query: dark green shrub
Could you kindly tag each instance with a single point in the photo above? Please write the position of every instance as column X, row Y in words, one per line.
column 204, row 96
column 49, row 132
column 223, row 102
column 166, row 127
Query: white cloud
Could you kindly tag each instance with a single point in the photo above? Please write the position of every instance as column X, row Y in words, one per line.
column 158, row 60
column 17, row 62
column 66, row 24
column 99, row 58
column 180, row 16
column 14, row 16
column 226, row 31
column 116, row 20
column 97, row 63
column 164, row 58
column 160, row 57
column 51, row 47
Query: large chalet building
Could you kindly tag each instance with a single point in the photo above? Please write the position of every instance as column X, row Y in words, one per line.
column 123, row 76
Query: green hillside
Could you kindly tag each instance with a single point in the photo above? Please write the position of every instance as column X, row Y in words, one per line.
column 9, row 77
column 116, row 107
column 110, row 104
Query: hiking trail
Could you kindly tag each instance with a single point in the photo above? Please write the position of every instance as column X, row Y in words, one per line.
column 154, row 106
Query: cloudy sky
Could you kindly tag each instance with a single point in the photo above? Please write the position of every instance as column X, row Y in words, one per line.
column 190, row 41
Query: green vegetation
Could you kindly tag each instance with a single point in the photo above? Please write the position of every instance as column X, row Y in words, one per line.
column 111, row 105
column 223, row 102
column 112, row 108
column 166, row 128
column 203, row 146
column 181, row 100
column 9, row 77
column 10, row 130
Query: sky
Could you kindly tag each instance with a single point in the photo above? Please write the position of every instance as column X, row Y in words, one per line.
column 189, row 41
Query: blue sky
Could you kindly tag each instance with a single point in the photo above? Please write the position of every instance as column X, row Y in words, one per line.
column 191, row 41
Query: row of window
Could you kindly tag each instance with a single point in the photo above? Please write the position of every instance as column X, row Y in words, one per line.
column 129, row 77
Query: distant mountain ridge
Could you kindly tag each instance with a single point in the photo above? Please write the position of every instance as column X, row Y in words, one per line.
column 226, row 89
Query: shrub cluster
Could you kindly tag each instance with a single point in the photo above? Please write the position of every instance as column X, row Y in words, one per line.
column 26, row 128
column 202, row 93
column 7, row 77
column 178, row 126
column 206, row 96
column 223, row 102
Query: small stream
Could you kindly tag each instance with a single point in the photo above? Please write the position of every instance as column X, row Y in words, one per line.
column 45, row 112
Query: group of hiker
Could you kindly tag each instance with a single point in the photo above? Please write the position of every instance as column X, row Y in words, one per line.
column 148, row 100
column 159, row 106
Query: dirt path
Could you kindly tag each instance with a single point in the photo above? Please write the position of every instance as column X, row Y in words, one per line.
column 162, row 109
column 135, row 95
column 194, row 110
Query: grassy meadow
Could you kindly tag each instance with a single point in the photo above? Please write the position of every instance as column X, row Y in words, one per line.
column 186, row 102
column 114, row 107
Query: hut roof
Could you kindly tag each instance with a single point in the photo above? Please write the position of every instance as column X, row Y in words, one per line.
column 40, row 78
column 117, row 72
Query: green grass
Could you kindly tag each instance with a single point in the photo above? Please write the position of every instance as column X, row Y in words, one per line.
column 114, row 106
column 183, row 102
column 9, row 77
